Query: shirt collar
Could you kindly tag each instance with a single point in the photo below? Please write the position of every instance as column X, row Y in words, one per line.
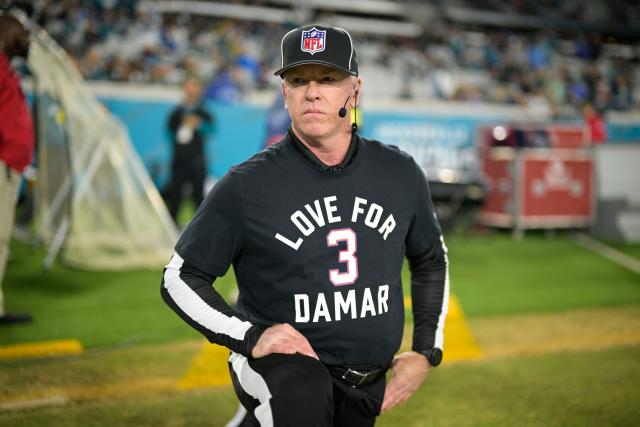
column 315, row 161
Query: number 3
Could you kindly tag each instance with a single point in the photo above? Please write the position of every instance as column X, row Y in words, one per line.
column 347, row 255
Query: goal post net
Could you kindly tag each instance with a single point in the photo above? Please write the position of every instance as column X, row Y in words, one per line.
column 95, row 202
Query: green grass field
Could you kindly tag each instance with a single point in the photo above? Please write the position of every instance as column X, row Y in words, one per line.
column 559, row 326
column 570, row 389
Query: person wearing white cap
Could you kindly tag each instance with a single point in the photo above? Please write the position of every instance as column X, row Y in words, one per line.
column 318, row 257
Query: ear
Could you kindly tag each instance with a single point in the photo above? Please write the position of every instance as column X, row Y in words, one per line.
column 357, row 85
column 356, row 92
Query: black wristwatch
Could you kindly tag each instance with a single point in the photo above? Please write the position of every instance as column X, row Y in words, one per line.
column 434, row 356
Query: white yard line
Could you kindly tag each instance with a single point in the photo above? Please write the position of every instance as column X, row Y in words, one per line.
column 54, row 400
column 608, row 252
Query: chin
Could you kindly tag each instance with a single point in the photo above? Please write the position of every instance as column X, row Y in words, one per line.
column 314, row 129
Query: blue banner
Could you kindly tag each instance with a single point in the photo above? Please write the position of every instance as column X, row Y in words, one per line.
column 434, row 142
column 239, row 132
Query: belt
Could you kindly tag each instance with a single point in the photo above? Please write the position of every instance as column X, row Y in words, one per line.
column 357, row 377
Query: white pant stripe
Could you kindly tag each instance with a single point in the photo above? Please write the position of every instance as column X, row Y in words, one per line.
column 254, row 385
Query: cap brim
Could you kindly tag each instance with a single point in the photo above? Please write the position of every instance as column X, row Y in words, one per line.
column 313, row 61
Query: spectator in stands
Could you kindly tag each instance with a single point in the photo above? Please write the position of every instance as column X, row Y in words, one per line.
column 117, row 40
column 224, row 86
column 189, row 126
column 595, row 123
column 622, row 93
column 16, row 141
column 278, row 121
column 556, row 87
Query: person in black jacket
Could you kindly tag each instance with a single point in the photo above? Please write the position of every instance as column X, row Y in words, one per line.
column 189, row 125
column 317, row 227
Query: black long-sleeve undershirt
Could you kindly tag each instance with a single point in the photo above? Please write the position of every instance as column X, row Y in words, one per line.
column 201, row 284
column 428, row 288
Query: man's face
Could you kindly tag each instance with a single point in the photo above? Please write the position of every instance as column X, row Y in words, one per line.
column 192, row 90
column 314, row 94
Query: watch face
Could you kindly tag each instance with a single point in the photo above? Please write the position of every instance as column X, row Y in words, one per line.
column 435, row 357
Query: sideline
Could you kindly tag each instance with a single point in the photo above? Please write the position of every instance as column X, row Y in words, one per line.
column 64, row 395
column 607, row 252
column 499, row 337
column 50, row 400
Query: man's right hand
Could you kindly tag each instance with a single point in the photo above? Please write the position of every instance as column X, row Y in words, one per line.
column 282, row 338
column 192, row 120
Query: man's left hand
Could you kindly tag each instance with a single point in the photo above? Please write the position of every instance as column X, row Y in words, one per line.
column 409, row 370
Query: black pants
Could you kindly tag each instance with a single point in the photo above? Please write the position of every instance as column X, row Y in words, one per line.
column 295, row 390
column 184, row 173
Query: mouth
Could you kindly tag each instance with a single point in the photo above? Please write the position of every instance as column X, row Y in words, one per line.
column 313, row 112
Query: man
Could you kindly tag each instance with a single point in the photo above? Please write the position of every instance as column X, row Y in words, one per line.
column 16, row 140
column 188, row 126
column 317, row 257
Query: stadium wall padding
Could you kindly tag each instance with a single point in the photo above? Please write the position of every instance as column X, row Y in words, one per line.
column 240, row 132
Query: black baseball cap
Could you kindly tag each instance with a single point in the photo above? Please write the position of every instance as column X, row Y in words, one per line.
column 318, row 44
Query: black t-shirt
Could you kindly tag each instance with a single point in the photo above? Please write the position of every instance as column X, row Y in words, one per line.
column 192, row 149
column 319, row 248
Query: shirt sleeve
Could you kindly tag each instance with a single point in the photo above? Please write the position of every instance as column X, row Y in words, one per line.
column 206, row 249
column 429, row 296
column 207, row 124
column 429, row 266
column 212, row 240
column 424, row 229
column 173, row 123
column 189, row 292
column 205, row 115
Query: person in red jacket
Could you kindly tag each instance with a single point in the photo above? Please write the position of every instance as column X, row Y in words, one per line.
column 596, row 124
column 16, row 140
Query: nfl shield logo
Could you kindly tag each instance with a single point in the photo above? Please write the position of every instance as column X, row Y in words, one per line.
column 313, row 40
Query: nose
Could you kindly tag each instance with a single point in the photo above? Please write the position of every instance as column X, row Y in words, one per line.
column 312, row 91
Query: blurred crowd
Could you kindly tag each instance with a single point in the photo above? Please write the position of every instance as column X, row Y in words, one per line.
column 542, row 70
column 114, row 41
column 553, row 73
column 618, row 12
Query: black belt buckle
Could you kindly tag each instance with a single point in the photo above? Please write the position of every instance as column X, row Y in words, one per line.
column 355, row 378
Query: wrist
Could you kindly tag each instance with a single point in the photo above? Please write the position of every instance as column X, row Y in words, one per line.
column 251, row 339
column 433, row 356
